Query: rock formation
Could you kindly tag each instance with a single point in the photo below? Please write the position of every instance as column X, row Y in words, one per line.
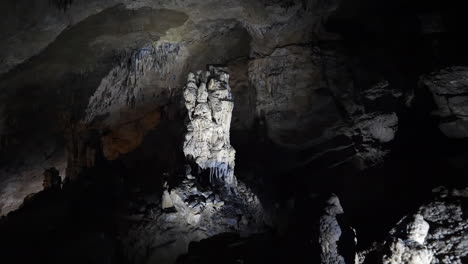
column 208, row 99
column 316, row 96
column 449, row 88
column 405, row 244
column 188, row 213
column 448, row 237
column 370, row 133
column 330, row 232
column 435, row 234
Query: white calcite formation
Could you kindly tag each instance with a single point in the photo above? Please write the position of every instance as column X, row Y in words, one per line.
column 209, row 104
column 407, row 242
column 449, row 237
column 436, row 234
column 330, row 232
column 189, row 213
column 407, row 252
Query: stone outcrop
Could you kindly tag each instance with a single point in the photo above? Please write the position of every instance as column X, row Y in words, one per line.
column 407, row 252
column 449, row 88
column 208, row 99
column 448, row 236
column 289, row 88
column 405, row 244
column 370, row 133
column 331, row 236
column 436, row 233
column 300, row 87
column 121, row 100
column 310, row 105
column 189, row 212
column 368, row 108
column 330, row 232
column 192, row 211
column 124, row 72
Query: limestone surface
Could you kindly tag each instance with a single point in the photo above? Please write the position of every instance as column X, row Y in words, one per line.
column 435, row 234
column 448, row 238
column 208, row 99
column 330, row 232
column 190, row 213
column 449, row 88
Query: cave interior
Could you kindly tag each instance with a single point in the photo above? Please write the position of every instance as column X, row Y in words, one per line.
column 234, row 131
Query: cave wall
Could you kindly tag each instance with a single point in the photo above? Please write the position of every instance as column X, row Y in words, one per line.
column 353, row 97
column 62, row 67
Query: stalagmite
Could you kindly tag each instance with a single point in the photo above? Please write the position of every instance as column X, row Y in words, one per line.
column 209, row 104
column 330, row 232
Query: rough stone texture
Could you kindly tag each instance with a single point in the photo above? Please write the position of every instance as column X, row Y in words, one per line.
column 124, row 72
column 381, row 89
column 29, row 31
column 306, row 97
column 109, row 69
column 449, row 88
column 208, row 99
column 62, row 82
column 405, row 244
column 129, row 59
column 416, row 229
column 289, row 84
column 371, row 132
column 437, row 233
column 45, row 20
column 127, row 84
column 122, row 96
column 162, row 234
column 330, row 232
column 188, row 211
column 369, row 111
column 448, row 237
column 402, row 251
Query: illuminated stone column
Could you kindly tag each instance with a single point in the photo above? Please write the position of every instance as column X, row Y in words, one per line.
column 209, row 103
